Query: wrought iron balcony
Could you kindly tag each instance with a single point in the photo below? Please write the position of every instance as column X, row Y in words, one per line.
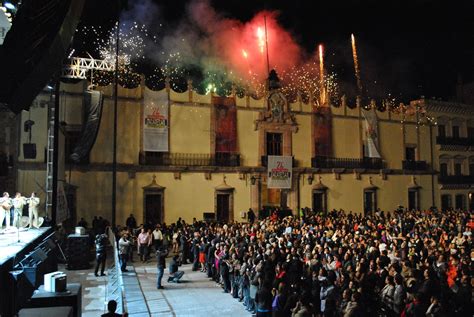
column 264, row 161
column 456, row 179
column 350, row 163
column 189, row 159
column 415, row 165
column 443, row 140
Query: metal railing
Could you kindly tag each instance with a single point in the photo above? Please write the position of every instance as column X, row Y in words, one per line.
column 351, row 163
column 415, row 165
column 115, row 288
column 456, row 179
column 189, row 159
column 443, row 140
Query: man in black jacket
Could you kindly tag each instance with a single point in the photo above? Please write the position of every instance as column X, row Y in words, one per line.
column 100, row 253
column 161, row 265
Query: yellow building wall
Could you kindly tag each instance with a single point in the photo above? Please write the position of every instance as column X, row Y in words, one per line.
column 345, row 137
column 302, row 141
column 190, row 129
column 247, row 137
column 187, row 198
column 128, row 136
column 410, row 134
column 347, row 193
column 390, row 142
column 102, row 150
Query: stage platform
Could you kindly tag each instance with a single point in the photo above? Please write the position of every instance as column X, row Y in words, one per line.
column 9, row 245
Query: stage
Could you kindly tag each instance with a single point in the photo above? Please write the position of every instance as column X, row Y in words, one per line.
column 23, row 264
column 9, row 245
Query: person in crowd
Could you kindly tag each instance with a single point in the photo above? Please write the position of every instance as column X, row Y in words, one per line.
column 157, row 237
column 100, row 253
column 124, row 244
column 250, row 215
column 175, row 275
column 131, row 222
column 160, row 265
column 112, row 308
column 144, row 242
column 82, row 223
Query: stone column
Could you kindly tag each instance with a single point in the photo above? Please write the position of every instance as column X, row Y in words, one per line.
column 294, row 194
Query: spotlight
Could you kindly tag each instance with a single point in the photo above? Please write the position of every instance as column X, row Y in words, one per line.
column 9, row 5
column 50, row 87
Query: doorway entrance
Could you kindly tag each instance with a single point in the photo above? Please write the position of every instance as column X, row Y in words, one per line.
column 223, row 208
column 224, row 203
column 153, row 209
column 319, row 199
column 370, row 202
column 153, row 204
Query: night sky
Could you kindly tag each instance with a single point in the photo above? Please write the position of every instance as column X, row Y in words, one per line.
column 412, row 47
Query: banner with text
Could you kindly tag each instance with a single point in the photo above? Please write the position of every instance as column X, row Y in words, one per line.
column 279, row 171
column 155, row 121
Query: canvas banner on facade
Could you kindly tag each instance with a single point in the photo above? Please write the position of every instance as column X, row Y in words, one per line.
column 371, row 134
column 225, row 124
column 280, row 170
column 155, row 121
column 322, row 131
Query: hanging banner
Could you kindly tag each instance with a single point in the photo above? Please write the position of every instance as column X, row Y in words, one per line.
column 155, row 121
column 225, row 124
column 279, row 171
column 371, row 134
column 322, row 131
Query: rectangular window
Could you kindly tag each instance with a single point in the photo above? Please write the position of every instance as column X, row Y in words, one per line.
column 445, row 202
column 459, row 203
column 441, row 131
column 455, row 132
column 410, row 152
column 471, row 169
column 470, row 133
column 457, row 169
column 274, row 144
column 443, row 169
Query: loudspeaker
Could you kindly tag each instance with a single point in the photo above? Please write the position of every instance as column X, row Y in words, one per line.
column 29, row 150
column 77, row 252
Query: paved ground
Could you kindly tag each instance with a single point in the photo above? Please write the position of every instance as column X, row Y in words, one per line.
column 195, row 296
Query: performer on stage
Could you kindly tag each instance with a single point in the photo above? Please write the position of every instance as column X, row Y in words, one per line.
column 18, row 203
column 5, row 206
column 33, row 203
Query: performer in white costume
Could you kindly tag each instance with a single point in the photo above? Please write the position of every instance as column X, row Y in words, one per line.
column 5, row 206
column 33, row 203
column 18, row 203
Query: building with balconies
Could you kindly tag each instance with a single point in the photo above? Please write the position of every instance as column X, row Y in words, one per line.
column 209, row 155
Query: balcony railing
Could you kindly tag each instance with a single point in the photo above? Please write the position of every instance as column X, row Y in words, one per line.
column 443, row 140
column 350, row 163
column 415, row 165
column 189, row 159
column 264, row 160
column 456, row 179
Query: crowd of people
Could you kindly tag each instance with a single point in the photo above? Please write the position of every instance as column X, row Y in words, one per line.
column 404, row 263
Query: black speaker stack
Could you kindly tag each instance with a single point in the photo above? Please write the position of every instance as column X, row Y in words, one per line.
column 77, row 252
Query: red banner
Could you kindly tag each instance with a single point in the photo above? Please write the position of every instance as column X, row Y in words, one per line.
column 323, row 131
column 225, row 124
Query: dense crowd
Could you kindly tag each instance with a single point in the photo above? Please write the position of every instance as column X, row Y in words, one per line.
column 335, row 264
